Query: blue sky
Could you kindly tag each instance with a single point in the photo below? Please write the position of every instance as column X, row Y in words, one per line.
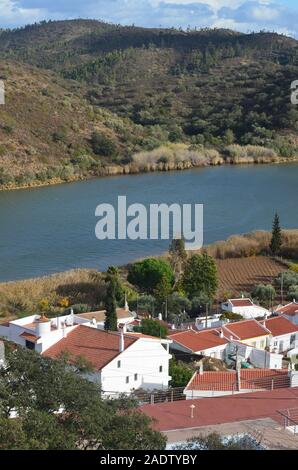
column 242, row 15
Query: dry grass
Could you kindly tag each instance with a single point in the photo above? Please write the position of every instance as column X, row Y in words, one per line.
column 252, row 244
column 251, row 154
column 171, row 156
column 21, row 297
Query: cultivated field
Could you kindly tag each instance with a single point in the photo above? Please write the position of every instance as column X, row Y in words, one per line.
column 238, row 275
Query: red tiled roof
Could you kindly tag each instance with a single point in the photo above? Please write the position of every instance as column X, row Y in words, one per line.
column 30, row 337
column 97, row 346
column 241, row 302
column 198, row 340
column 280, row 326
column 250, row 379
column 290, row 309
column 245, row 329
column 219, row 410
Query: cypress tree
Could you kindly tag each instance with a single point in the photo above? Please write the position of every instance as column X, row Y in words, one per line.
column 110, row 306
column 276, row 240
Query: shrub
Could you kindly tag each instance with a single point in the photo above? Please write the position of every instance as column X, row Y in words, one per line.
column 103, row 145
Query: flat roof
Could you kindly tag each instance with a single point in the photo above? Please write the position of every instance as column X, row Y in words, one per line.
column 219, row 410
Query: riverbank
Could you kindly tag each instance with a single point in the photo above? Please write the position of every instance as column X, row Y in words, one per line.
column 152, row 167
column 241, row 264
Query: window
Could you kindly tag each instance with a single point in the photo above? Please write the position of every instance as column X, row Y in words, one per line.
column 275, row 343
column 30, row 345
column 127, row 380
column 160, row 369
column 119, row 364
column 136, row 377
column 293, row 339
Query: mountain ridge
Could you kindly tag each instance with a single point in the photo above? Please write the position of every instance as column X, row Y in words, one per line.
column 84, row 96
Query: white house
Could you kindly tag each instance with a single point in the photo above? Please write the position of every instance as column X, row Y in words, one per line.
column 244, row 307
column 121, row 362
column 37, row 332
column 240, row 352
column 213, row 321
column 284, row 334
column 289, row 311
column 210, row 342
column 97, row 319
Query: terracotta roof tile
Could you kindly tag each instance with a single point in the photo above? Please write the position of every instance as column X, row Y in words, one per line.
column 245, row 329
column 241, row 302
column 290, row 309
column 226, row 409
column 198, row 340
column 30, row 337
column 97, row 346
column 280, row 326
column 250, row 379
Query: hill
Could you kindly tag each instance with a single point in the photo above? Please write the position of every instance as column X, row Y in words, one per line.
column 139, row 89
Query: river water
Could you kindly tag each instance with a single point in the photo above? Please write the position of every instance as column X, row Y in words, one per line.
column 52, row 229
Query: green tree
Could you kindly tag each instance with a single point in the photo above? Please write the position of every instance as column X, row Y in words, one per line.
column 178, row 256
column 215, row 441
column 111, row 322
column 103, row 145
column 293, row 293
column 200, row 276
column 152, row 327
column 180, row 373
column 265, row 294
column 163, row 289
column 37, row 388
column 229, row 137
column 148, row 274
column 276, row 240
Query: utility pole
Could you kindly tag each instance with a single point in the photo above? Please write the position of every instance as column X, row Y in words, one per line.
column 206, row 315
column 166, row 308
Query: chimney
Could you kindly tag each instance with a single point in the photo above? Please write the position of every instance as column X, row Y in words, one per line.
column 121, row 345
column 58, row 323
column 221, row 333
column 201, row 368
column 64, row 330
column 160, row 317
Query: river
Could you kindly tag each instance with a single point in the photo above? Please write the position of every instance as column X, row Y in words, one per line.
column 52, row 229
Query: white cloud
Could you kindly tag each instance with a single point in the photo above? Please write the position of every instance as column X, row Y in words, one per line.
column 242, row 15
column 12, row 14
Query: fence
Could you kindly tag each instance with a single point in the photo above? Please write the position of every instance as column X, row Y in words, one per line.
column 230, row 385
column 202, row 390
column 152, row 397
column 290, row 419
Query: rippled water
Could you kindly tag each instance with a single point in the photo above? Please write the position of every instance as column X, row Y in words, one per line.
column 51, row 229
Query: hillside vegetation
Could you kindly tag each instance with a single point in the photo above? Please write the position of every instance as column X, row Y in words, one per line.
column 85, row 98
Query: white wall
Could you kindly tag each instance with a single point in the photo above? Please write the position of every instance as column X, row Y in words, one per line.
column 17, row 327
column 144, row 358
column 283, row 343
column 253, row 311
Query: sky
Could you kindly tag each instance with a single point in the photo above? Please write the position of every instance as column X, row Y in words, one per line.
column 242, row 15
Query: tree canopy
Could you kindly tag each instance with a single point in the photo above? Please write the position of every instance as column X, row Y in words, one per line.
column 58, row 409
column 200, row 276
column 147, row 275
